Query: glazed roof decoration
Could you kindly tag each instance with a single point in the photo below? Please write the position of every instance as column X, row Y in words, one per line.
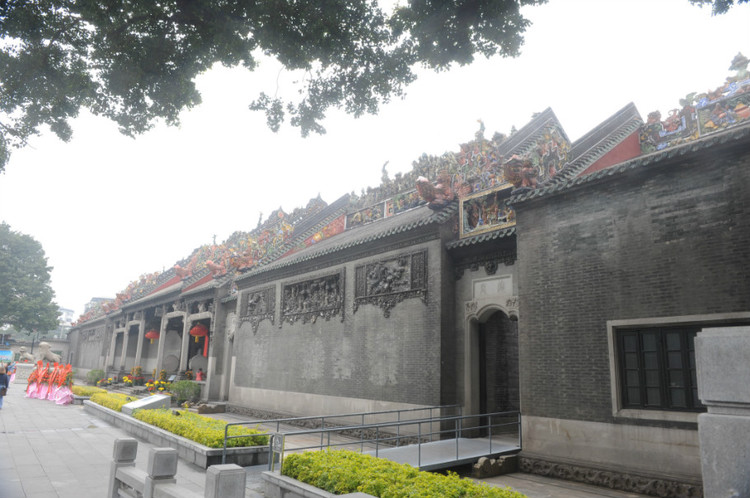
column 240, row 252
column 701, row 114
column 474, row 183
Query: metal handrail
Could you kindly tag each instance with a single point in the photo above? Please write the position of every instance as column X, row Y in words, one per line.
column 422, row 438
column 323, row 418
column 457, row 430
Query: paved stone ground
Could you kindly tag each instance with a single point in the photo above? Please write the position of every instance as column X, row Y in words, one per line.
column 52, row 451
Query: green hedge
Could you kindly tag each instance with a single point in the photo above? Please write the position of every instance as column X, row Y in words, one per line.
column 113, row 401
column 95, row 376
column 186, row 390
column 342, row 472
column 86, row 390
column 203, row 430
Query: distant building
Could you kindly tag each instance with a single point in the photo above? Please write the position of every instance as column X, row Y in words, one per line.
column 64, row 323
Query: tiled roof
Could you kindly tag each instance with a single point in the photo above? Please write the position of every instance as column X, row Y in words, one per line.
column 600, row 140
column 737, row 134
column 404, row 222
column 521, row 141
column 484, row 237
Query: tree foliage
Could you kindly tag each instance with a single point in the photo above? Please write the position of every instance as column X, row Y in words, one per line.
column 25, row 291
column 718, row 6
column 135, row 61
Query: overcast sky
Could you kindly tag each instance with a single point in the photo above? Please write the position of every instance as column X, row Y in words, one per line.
column 107, row 208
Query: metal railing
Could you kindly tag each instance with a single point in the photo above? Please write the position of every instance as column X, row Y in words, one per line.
column 347, row 421
column 501, row 431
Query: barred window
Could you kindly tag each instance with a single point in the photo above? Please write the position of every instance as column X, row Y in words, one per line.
column 657, row 368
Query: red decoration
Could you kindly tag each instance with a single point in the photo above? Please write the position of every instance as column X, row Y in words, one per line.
column 199, row 330
column 152, row 334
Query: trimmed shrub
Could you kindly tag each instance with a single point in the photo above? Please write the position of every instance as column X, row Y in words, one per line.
column 342, row 472
column 94, row 376
column 186, row 390
column 203, row 430
column 86, row 390
column 113, row 401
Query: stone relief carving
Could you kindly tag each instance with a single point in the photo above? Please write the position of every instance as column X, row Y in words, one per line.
column 490, row 263
column 512, row 306
column 609, row 479
column 232, row 326
column 178, row 306
column 312, row 299
column 388, row 282
column 258, row 306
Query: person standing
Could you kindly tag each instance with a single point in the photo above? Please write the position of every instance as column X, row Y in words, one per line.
column 10, row 371
column 3, row 385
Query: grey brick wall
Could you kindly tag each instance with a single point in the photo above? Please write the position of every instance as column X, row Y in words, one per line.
column 368, row 356
column 670, row 239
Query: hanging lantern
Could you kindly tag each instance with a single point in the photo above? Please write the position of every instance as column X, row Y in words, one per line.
column 152, row 334
column 199, row 330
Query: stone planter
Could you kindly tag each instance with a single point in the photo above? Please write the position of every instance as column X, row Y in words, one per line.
column 188, row 450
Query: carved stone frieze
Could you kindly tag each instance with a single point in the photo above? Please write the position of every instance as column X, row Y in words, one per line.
column 309, row 300
column 92, row 335
column 388, row 282
column 178, row 306
column 490, row 262
column 257, row 306
column 610, row 479
column 512, row 306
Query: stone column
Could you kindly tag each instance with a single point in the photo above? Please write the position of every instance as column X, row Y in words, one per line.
column 124, row 353
column 185, row 339
column 111, row 357
column 723, row 378
column 139, row 346
column 160, row 348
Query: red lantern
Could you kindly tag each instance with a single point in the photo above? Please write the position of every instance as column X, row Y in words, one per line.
column 152, row 334
column 199, row 330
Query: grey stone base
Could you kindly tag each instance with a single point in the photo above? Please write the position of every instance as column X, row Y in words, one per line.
column 188, row 450
column 611, row 479
column 490, row 467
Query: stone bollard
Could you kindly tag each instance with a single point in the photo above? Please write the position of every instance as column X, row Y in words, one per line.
column 723, row 378
column 125, row 450
column 161, row 469
column 225, row 481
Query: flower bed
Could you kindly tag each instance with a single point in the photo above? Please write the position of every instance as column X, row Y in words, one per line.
column 86, row 390
column 342, row 472
column 188, row 450
column 113, row 401
column 203, row 430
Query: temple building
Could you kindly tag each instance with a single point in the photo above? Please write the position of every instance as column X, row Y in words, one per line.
column 526, row 272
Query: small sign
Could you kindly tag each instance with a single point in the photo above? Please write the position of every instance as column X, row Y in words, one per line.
column 172, row 378
column 276, row 446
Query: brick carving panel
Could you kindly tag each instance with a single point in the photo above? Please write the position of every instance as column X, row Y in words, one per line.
column 388, row 282
column 309, row 300
column 257, row 306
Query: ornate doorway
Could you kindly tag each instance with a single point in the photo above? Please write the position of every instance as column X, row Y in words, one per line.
column 498, row 364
